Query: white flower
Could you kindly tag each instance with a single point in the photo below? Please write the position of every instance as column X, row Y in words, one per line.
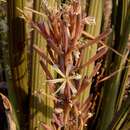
column 90, row 20
column 76, row 54
column 65, row 79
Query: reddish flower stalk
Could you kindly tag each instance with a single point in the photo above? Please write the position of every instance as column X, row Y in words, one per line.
column 62, row 31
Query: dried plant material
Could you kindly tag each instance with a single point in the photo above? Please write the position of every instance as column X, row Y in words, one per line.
column 65, row 37
column 97, row 39
column 6, row 103
column 85, row 83
column 104, row 44
column 46, row 127
column 90, row 20
column 61, row 88
column 55, row 67
column 107, row 14
column 41, row 92
column 50, row 52
column 58, row 110
column 54, row 47
column 34, row 11
column 112, row 74
column 96, row 69
column 42, row 54
column 62, row 30
column 94, row 58
column 9, row 112
column 76, row 54
column 48, row 74
column 66, row 79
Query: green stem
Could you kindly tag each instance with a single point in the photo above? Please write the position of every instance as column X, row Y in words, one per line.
column 95, row 10
column 112, row 86
column 41, row 106
column 18, row 60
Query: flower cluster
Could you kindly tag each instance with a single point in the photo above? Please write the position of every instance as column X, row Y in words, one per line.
column 62, row 30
